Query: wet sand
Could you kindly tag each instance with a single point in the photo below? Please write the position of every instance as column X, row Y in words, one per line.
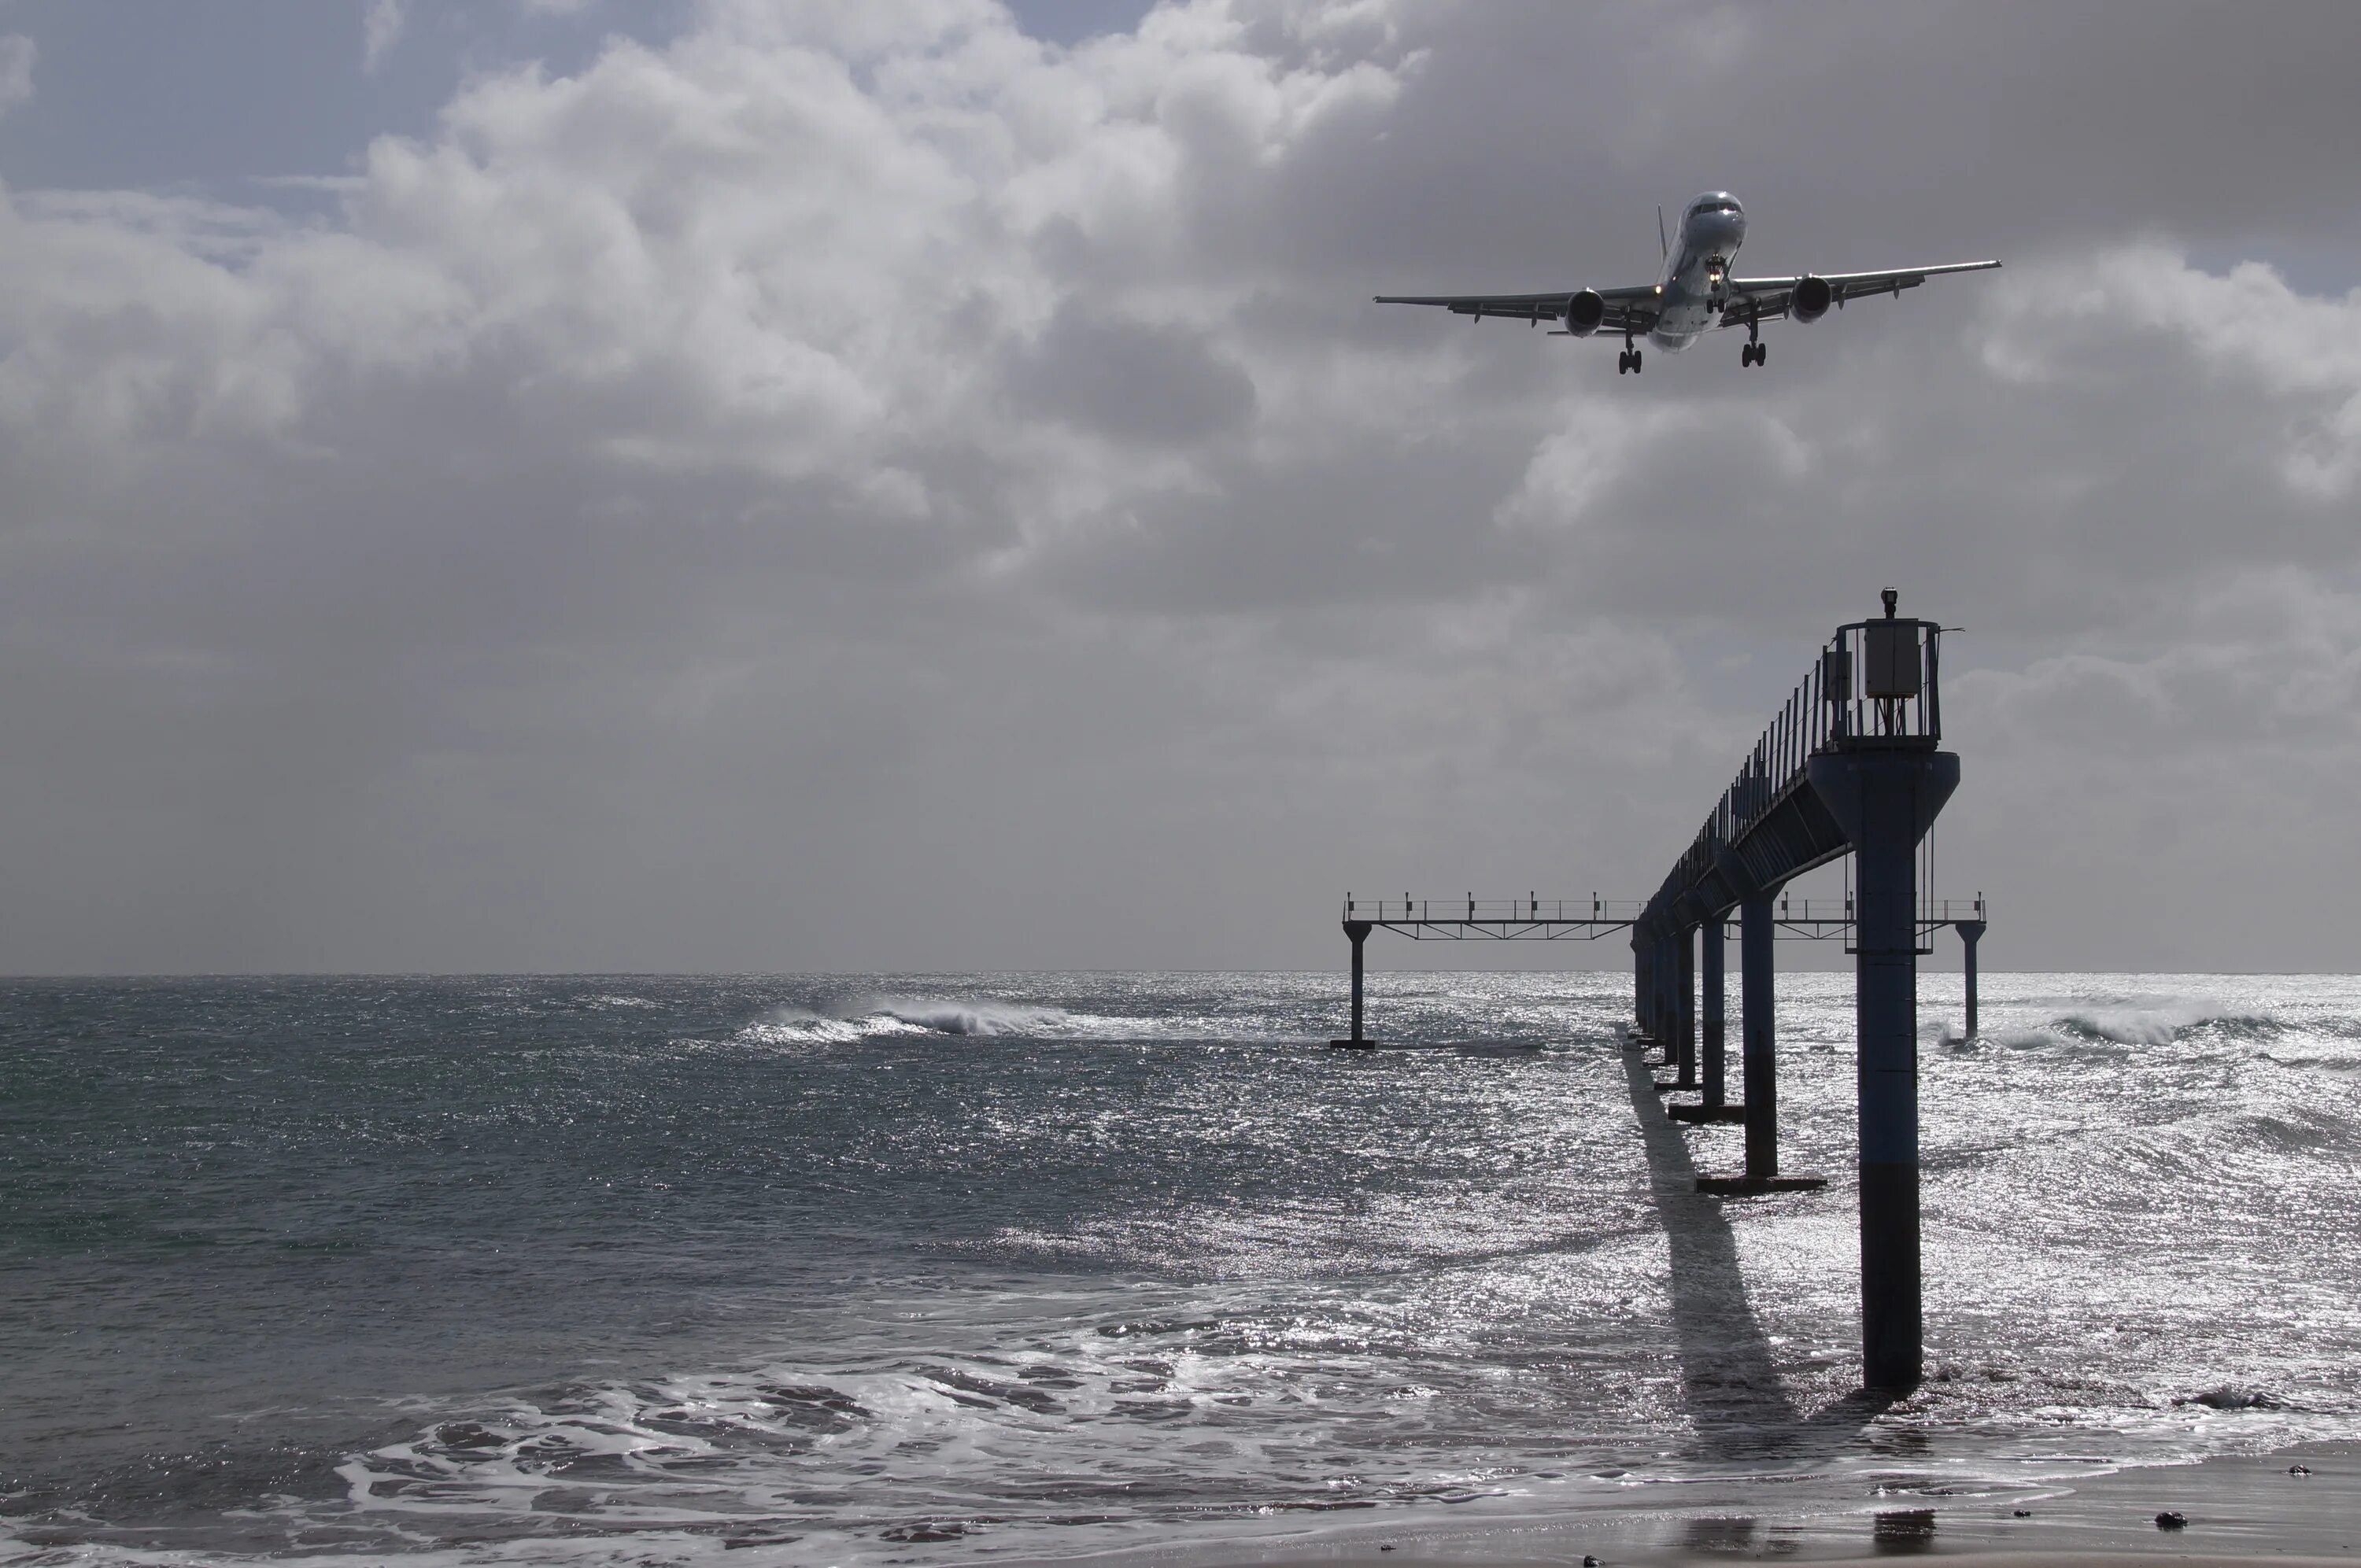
column 2240, row 1509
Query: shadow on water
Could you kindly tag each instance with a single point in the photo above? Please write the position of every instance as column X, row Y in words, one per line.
column 1730, row 1377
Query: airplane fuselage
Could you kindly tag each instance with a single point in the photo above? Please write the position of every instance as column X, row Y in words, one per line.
column 1694, row 293
column 1694, row 284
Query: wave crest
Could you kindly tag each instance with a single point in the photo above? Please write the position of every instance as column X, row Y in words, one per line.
column 876, row 1017
column 2161, row 1026
column 943, row 1018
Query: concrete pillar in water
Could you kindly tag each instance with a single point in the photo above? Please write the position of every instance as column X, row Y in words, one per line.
column 1659, row 993
column 1884, row 800
column 1668, row 1021
column 1716, row 1077
column 1970, row 933
column 1641, row 986
column 1757, row 1043
column 1656, row 1030
column 1358, row 933
column 1757, row 1048
column 1685, row 1006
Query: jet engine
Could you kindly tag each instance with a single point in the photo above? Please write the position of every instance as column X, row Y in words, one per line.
column 1583, row 311
column 1810, row 300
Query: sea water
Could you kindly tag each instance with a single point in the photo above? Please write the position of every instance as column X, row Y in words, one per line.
column 911, row 1268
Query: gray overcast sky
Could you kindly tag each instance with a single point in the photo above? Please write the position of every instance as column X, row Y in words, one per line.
column 729, row 485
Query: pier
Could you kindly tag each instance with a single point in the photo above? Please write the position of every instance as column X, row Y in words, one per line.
column 1851, row 766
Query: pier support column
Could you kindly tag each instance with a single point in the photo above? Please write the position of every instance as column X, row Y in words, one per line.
column 1685, row 1008
column 1643, row 991
column 1358, row 933
column 1660, row 996
column 1668, row 1019
column 1970, row 933
column 1884, row 801
column 1716, row 1077
column 1655, row 994
column 1643, row 969
column 1757, row 1049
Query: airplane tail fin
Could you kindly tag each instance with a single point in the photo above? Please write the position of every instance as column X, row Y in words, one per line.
column 1663, row 245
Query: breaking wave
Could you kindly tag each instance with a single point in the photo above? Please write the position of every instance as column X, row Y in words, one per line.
column 2163, row 1025
column 794, row 1026
column 2158, row 1025
column 988, row 1018
column 871, row 1018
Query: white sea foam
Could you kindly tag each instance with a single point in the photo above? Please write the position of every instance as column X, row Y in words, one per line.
column 797, row 1027
column 2160, row 1023
column 984, row 1017
column 863, row 1018
column 794, row 1449
column 879, row 1017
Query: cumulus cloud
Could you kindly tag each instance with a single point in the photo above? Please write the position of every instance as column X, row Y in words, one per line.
column 381, row 28
column 2300, row 356
column 768, row 498
column 17, row 57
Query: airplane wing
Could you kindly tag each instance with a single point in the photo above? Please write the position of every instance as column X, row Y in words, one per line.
column 1766, row 298
column 1625, row 311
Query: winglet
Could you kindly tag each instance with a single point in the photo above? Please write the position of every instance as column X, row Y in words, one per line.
column 1663, row 245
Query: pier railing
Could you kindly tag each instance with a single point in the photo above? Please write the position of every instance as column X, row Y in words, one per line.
column 1531, row 909
column 1381, row 911
column 1836, row 910
column 1876, row 686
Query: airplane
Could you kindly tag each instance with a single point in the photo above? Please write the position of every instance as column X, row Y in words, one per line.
column 1695, row 292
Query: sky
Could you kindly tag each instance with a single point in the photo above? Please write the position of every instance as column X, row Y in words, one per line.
column 738, row 485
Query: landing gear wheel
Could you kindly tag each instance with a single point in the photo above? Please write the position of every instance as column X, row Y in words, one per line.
column 1635, row 362
column 1624, row 363
column 1761, row 352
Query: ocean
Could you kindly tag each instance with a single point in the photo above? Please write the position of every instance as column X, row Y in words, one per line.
column 933, row 1268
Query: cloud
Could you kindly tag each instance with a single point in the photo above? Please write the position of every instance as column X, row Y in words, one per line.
column 856, row 485
column 2299, row 357
column 17, row 57
column 381, row 29
column 2175, row 768
column 2263, row 657
column 1130, row 379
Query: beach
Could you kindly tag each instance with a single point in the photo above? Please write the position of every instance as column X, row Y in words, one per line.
column 2246, row 1510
